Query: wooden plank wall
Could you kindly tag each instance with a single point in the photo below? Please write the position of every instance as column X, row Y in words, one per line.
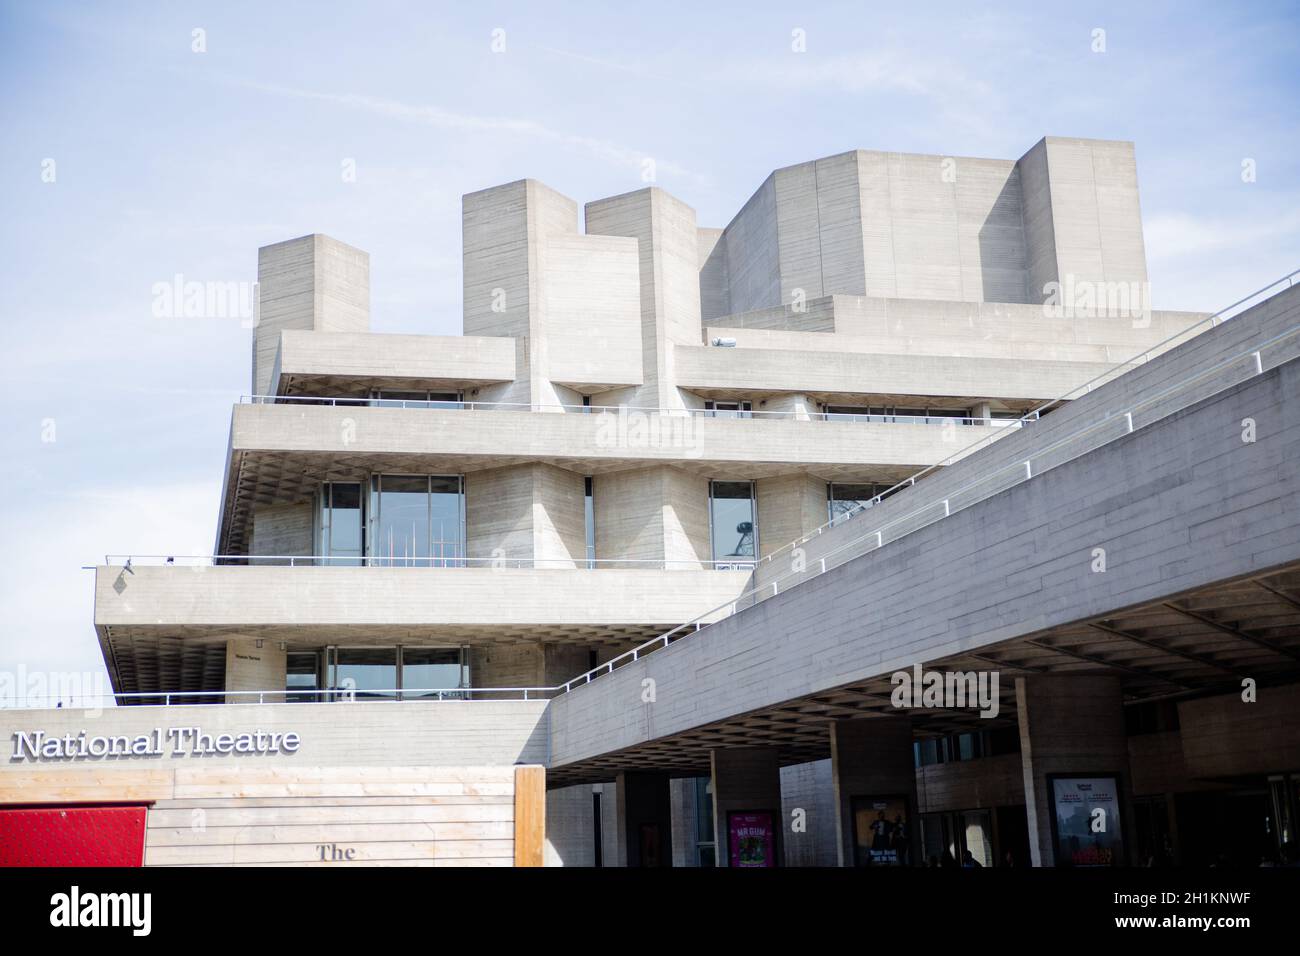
column 318, row 816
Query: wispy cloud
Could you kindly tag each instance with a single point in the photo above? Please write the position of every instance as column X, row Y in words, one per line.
column 436, row 116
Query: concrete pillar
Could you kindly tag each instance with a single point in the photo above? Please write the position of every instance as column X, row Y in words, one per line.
column 526, row 512
column 652, row 514
column 789, row 506
column 807, row 794
column 669, row 249
column 504, row 233
column 252, row 667
column 746, row 779
column 644, row 831
column 314, row 283
column 872, row 758
column 1070, row 725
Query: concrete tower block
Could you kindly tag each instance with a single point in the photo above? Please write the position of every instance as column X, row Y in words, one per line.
column 877, row 224
column 314, row 283
column 668, row 247
column 1083, row 220
column 714, row 292
column 571, row 302
column 503, row 230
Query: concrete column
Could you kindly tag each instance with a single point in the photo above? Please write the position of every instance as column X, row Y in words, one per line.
column 669, row 249
column 526, row 512
column 504, row 235
column 807, row 790
column 746, row 779
column 645, row 828
column 1069, row 725
column 653, row 514
column 252, row 667
column 873, row 758
column 789, row 506
column 314, row 283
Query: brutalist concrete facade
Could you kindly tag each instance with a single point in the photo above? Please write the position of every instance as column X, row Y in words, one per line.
column 623, row 371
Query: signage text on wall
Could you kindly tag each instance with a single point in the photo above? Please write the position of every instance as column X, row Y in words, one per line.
column 37, row 745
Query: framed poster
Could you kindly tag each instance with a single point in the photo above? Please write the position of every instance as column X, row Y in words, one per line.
column 881, row 834
column 751, row 838
column 1086, row 829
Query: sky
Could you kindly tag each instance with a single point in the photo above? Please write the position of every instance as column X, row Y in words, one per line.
column 140, row 141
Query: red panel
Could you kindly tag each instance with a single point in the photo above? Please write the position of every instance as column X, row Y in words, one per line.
column 72, row 836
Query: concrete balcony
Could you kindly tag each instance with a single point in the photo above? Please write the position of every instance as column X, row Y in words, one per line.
column 214, row 602
column 735, row 371
column 461, row 440
column 355, row 362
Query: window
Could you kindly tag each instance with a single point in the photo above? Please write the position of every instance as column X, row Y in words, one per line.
column 728, row 410
column 386, row 673
column 732, row 524
column 388, row 398
column 852, row 413
column 846, row 499
column 340, row 538
column 706, row 852
column 368, row 673
column 417, row 520
column 426, row 669
column 302, row 674
column 898, row 415
column 589, row 512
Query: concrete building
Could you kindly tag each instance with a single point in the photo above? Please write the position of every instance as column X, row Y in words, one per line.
column 439, row 557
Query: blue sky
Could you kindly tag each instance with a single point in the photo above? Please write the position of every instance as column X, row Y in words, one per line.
column 170, row 161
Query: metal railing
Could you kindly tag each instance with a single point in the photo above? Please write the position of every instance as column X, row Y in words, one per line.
column 679, row 412
column 128, row 561
column 292, row 695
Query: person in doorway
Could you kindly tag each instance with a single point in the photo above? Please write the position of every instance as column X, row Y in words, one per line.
column 969, row 862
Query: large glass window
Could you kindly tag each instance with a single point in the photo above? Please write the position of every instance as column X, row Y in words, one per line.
column 389, row 672
column 417, row 520
column 916, row 415
column 302, row 674
column 728, row 410
column 844, row 499
column 339, row 527
column 733, row 523
column 427, row 669
column 364, row 672
column 705, row 840
column 389, row 398
column 589, row 510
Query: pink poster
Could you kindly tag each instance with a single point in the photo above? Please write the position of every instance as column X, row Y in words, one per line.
column 751, row 839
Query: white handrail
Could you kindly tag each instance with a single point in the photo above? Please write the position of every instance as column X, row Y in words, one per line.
column 680, row 412
column 383, row 561
column 404, row 695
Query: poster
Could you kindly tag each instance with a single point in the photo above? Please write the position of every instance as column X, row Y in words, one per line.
column 1086, row 823
column 880, row 831
column 751, row 838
